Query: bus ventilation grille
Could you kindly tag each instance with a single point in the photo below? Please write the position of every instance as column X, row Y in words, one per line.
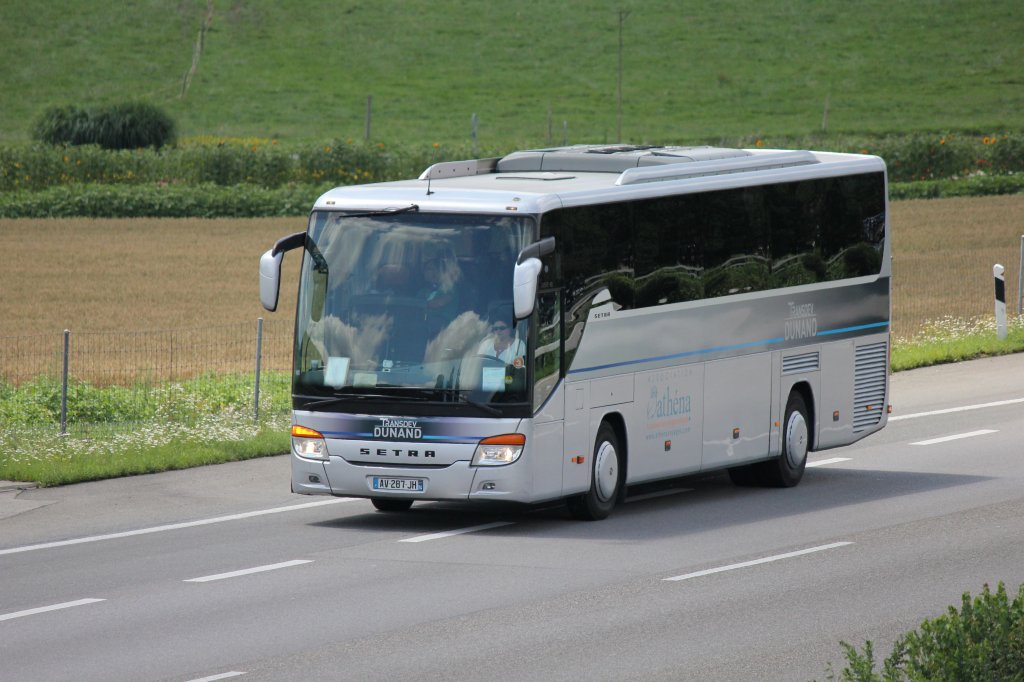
column 869, row 385
column 797, row 364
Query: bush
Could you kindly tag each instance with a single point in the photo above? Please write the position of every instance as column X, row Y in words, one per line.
column 131, row 125
column 984, row 640
column 62, row 125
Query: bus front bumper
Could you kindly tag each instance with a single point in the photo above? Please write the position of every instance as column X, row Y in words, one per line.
column 458, row 481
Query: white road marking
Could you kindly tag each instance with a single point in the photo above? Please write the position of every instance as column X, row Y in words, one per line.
column 174, row 526
column 755, row 562
column 460, row 531
column 824, row 462
column 249, row 571
column 658, row 493
column 222, row 676
column 45, row 609
column 951, row 410
column 946, row 439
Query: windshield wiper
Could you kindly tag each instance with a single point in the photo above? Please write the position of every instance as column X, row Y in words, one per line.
column 446, row 395
column 408, row 393
column 411, row 208
column 342, row 397
column 484, row 407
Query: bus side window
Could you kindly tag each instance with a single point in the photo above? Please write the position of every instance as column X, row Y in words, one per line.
column 548, row 354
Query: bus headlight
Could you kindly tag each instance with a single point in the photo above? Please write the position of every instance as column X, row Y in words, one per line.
column 499, row 450
column 309, row 443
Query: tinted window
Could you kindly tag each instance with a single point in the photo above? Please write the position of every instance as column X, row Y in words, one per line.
column 686, row 247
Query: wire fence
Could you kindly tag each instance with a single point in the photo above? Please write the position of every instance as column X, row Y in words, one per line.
column 81, row 380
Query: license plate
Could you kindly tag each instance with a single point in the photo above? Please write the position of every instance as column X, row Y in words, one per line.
column 409, row 485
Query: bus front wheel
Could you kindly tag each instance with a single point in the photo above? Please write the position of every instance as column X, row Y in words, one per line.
column 606, row 481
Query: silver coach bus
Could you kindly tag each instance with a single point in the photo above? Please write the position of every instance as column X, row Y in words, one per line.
column 564, row 323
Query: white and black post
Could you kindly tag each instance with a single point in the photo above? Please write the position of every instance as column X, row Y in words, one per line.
column 997, row 272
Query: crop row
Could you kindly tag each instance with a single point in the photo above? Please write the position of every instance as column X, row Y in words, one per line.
column 269, row 164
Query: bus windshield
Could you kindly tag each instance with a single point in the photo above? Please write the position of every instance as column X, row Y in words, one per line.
column 411, row 306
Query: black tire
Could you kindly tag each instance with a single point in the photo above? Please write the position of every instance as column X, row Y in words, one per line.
column 786, row 470
column 606, row 479
column 391, row 504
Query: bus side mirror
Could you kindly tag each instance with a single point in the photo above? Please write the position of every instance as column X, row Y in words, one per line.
column 270, row 268
column 270, row 279
column 524, row 287
column 524, row 280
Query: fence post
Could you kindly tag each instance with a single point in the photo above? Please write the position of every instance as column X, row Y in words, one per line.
column 369, row 115
column 259, row 354
column 64, row 386
column 997, row 272
column 1020, row 278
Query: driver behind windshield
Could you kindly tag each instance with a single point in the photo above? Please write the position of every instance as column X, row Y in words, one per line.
column 502, row 343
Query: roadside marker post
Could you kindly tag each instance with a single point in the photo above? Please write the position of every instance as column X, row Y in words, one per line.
column 997, row 272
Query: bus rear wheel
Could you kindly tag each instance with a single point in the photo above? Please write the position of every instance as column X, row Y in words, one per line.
column 786, row 470
column 606, row 481
column 390, row 504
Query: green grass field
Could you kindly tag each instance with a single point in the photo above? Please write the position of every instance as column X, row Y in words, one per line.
column 691, row 71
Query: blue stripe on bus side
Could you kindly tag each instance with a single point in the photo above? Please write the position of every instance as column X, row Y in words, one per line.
column 719, row 349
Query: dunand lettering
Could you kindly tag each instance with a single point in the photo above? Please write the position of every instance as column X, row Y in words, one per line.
column 398, row 432
column 397, row 429
column 802, row 322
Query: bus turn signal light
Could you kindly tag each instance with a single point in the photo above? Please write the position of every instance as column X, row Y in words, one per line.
column 309, row 443
column 499, row 450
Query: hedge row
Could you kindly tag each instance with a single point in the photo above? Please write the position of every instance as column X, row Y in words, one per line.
column 250, row 201
column 150, row 201
column 258, row 162
column 266, row 163
column 922, row 156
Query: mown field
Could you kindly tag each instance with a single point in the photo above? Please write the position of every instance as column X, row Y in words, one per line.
column 302, row 70
column 92, row 275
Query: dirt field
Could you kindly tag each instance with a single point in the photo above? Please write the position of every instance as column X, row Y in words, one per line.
column 103, row 278
column 943, row 253
column 164, row 298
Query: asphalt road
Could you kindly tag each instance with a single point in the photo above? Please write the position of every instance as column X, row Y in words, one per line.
column 221, row 573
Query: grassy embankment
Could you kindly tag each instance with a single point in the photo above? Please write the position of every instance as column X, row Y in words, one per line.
column 302, row 71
